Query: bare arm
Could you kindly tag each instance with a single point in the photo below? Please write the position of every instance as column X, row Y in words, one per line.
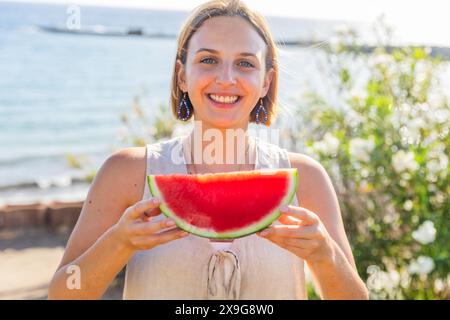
column 315, row 232
column 111, row 227
column 336, row 277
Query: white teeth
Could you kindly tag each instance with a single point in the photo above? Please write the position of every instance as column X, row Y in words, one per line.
column 222, row 99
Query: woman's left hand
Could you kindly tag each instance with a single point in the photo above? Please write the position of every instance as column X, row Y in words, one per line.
column 301, row 233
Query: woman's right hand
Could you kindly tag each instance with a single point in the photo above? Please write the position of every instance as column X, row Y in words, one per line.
column 137, row 229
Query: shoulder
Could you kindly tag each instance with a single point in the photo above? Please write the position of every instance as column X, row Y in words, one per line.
column 313, row 178
column 305, row 163
column 127, row 155
column 126, row 161
column 124, row 170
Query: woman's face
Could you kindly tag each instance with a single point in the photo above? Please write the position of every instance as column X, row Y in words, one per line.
column 225, row 62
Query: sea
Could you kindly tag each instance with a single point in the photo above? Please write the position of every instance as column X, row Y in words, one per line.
column 63, row 94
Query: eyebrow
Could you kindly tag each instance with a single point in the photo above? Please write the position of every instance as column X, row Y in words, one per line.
column 245, row 54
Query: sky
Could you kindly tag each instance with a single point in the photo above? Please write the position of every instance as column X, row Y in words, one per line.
column 426, row 21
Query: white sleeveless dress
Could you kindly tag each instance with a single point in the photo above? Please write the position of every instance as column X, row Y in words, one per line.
column 249, row 268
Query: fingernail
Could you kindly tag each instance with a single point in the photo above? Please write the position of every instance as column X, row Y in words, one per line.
column 264, row 233
column 154, row 201
column 284, row 208
column 170, row 223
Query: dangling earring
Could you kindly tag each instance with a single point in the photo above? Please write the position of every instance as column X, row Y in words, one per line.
column 258, row 110
column 183, row 103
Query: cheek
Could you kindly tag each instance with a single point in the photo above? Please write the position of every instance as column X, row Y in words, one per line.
column 252, row 78
column 199, row 79
column 252, row 82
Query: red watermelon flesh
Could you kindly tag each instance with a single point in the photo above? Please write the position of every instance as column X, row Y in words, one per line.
column 224, row 205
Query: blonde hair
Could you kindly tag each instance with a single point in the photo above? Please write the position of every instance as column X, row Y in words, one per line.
column 230, row 8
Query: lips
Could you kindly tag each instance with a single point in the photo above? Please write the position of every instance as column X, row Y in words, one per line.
column 223, row 100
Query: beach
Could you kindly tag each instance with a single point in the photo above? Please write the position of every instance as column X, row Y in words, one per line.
column 32, row 242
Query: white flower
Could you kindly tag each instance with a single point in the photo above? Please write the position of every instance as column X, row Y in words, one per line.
column 422, row 71
column 438, row 164
column 354, row 118
column 431, row 113
column 328, row 146
column 408, row 205
column 382, row 280
column 376, row 279
column 423, row 265
column 395, row 278
column 426, row 233
column 439, row 285
column 414, row 126
column 438, row 199
column 360, row 149
column 402, row 161
column 401, row 115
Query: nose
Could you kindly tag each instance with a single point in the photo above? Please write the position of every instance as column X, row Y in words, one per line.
column 226, row 75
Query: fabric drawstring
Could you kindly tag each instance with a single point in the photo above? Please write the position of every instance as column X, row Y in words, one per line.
column 224, row 276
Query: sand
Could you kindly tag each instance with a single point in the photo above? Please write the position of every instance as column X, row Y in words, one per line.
column 28, row 260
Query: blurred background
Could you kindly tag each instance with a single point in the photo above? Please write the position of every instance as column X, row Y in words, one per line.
column 363, row 88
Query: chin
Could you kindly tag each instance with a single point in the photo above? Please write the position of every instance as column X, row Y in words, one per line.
column 223, row 123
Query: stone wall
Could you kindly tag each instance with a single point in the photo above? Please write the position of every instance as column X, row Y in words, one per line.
column 54, row 215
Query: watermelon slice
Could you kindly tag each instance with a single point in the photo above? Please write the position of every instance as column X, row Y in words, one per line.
column 224, row 205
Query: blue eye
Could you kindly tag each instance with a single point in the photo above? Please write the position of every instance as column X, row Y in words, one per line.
column 206, row 59
column 248, row 64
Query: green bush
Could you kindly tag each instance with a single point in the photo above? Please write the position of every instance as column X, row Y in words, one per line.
column 385, row 143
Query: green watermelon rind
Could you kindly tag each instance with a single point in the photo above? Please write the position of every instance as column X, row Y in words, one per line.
column 262, row 224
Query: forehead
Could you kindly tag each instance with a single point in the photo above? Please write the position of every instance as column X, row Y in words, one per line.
column 227, row 34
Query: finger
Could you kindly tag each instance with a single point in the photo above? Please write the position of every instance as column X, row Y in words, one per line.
column 303, row 244
column 304, row 215
column 161, row 238
column 148, row 228
column 293, row 231
column 294, row 244
column 149, row 214
column 289, row 220
column 138, row 209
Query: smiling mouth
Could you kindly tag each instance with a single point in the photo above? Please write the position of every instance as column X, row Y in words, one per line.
column 223, row 101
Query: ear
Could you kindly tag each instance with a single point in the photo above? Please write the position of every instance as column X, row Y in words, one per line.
column 268, row 80
column 181, row 76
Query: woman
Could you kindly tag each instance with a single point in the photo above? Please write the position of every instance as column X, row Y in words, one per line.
column 225, row 76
